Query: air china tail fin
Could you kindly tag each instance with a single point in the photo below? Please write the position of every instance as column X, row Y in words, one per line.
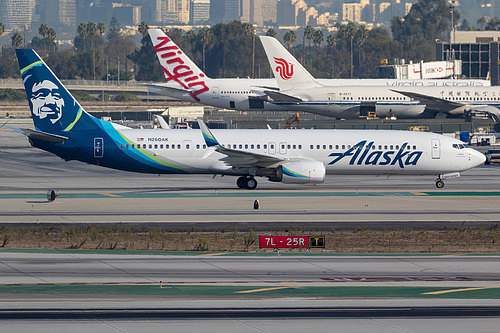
column 289, row 73
column 177, row 66
column 53, row 108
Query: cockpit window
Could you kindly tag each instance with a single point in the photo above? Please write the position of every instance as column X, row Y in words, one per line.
column 460, row 146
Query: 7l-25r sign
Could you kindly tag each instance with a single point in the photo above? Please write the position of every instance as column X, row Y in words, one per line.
column 291, row 242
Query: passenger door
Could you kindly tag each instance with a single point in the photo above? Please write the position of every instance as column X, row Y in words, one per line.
column 435, row 149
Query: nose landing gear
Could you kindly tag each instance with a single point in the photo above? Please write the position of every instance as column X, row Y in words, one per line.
column 439, row 183
column 247, row 182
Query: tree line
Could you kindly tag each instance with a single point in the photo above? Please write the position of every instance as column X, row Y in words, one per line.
column 102, row 52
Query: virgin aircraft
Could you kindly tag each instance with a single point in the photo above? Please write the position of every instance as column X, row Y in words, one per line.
column 300, row 91
column 63, row 128
column 187, row 82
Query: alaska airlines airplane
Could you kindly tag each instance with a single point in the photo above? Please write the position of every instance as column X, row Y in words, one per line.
column 300, row 91
column 63, row 128
column 187, row 82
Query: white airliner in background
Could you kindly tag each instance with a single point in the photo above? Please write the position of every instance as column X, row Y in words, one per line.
column 63, row 128
column 187, row 82
column 300, row 91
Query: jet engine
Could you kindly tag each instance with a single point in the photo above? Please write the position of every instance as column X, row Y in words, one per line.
column 300, row 172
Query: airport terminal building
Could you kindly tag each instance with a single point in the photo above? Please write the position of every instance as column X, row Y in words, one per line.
column 478, row 50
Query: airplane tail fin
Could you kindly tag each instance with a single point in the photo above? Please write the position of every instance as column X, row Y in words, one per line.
column 177, row 66
column 53, row 108
column 289, row 73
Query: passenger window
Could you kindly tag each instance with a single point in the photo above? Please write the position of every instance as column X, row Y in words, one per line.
column 187, row 146
column 166, row 146
column 161, row 146
column 265, row 146
column 271, row 146
column 121, row 146
column 317, row 146
column 300, row 146
column 397, row 147
column 246, row 146
column 392, row 147
column 204, row 146
column 156, row 146
column 294, row 146
column 311, row 147
column 178, row 146
column 343, row 146
column 282, row 146
column 150, row 146
column 241, row 146
column 126, row 146
column 173, row 146
column 330, row 147
column 258, row 146
column 385, row 147
column 414, row 147
column 336, row 146
column 133, row 146
column 144, row 146
column 288, row 146
column 197, row 146
column 379, row 147
column 252, row 146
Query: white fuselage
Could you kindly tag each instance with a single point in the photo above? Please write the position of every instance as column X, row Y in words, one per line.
column 353, row 102
column 376, row 152
column 246, row 94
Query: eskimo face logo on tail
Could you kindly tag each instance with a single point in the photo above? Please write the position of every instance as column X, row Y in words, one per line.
column 176, row 70
column 46, row 101
column 366, row 154
column 284, row 68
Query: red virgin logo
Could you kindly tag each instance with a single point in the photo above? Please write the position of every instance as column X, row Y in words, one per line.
column 180, row 73
column 284, row 68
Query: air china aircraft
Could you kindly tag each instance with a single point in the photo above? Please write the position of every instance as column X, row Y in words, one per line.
column 63, row 128
column 187, row 82
column 300, row 91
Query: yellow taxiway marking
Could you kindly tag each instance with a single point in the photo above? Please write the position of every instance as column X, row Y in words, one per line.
column 262, row 289
column 454, row 291
column 419, row 193
column 212, row 254
column 110, row 195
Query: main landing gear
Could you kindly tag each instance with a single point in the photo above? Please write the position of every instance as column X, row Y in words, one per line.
column 247, row 182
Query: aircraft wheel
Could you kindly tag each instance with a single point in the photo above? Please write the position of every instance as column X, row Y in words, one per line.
column 241, row 182
column 251, row 183
column 439, row 183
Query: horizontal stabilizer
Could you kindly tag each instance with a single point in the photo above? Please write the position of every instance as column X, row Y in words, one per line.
column 42, row 136
column 277, row 96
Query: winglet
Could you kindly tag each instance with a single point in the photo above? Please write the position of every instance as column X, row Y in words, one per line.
column 210, row 139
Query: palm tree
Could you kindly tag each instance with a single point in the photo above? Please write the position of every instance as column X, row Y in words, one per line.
column 2, row 30
column 43, row 31
column 331, row 41
column 482, row 23
column 17, row 40
column 348, row 31
column 102, row 28
column 309, row 34
column 143, row 28
column 290, row 38
column 318, row 38
column 361, row 36
column 205, row 35
column 82, row 32
column 91, row 32
column 271, row 32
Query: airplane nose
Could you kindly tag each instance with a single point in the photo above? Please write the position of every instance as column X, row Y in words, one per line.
column 478, row 158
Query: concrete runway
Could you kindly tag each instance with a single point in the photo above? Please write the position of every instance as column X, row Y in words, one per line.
column 71, row 290
column 120, row 293
column 90, row 193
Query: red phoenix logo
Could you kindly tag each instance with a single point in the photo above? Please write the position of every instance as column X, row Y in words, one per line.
column 284, row 68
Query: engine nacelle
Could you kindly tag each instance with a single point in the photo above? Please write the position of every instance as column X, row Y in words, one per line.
column 300, row 172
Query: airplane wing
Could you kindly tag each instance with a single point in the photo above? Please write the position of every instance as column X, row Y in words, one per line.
column 432, row 103
column 238, row 158
column 281, row 97
column 37, row 135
